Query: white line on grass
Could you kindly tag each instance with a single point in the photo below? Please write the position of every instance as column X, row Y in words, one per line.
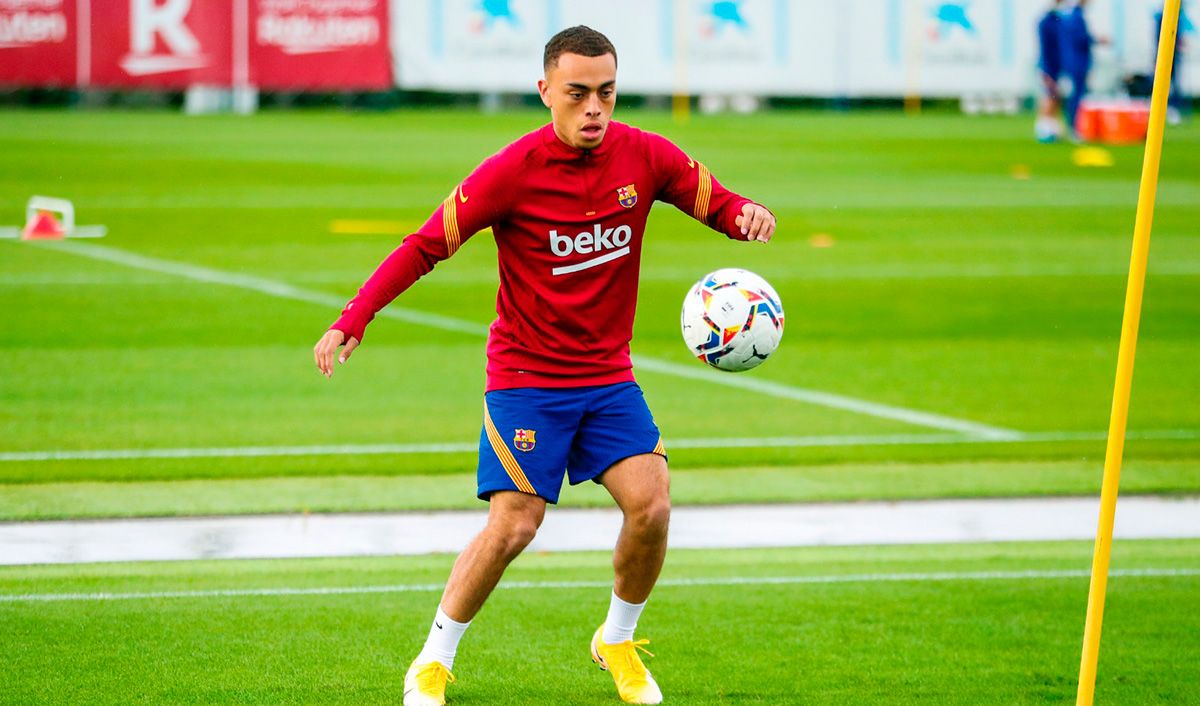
column 239, row 452
column 548, row 585
column 770, row 442
column 762, row 442
column 824, row 399
column 272, row 288
column 287, row 291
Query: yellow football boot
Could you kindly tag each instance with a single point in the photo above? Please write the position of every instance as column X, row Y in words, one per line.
column 425, row 684
column 634, row 683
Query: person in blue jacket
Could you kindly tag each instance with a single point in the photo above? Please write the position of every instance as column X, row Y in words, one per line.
column 1048, row 127
column 1075, row 46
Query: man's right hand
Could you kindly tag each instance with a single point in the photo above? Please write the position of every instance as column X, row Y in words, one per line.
column 328, row 345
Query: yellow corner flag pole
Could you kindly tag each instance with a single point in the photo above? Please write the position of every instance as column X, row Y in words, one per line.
column 681, row 100
column 1129, row 332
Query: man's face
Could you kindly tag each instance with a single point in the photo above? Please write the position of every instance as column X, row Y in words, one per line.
column 580, row 92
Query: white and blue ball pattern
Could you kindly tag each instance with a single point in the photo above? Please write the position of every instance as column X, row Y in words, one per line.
column 732, row 319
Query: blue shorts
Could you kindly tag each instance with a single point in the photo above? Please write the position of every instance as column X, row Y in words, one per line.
column 532, row 436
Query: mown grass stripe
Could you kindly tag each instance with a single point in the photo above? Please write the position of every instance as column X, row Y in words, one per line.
column 844, row 273
column 824, row 399
column 287, row 291
column 751, row 442
column 673, row 583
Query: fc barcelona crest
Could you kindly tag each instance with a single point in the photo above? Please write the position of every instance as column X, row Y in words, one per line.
column 524, row 440
column 627, row 196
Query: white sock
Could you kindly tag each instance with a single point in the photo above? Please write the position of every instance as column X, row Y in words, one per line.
column 1047, row 128
column 622, row 620
column 443, row 639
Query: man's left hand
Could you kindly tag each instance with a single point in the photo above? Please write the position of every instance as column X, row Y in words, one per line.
column 756, row 222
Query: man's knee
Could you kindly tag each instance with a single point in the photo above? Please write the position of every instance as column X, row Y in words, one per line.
column 513, row 530
column 652, row 516
column 511, row 537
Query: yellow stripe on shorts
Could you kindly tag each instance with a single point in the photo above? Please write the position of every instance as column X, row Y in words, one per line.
column 660, row 448
column 511, row 467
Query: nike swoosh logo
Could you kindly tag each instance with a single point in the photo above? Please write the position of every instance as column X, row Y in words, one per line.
column 461, row 197
column 439, row 625
column 691, row 163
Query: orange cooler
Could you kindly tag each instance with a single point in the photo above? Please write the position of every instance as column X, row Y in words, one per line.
column 1113, row 122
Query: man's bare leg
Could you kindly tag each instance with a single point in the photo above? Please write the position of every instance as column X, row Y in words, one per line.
column 641, row 487
column 513, row 520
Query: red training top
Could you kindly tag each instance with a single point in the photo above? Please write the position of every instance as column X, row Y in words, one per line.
column 568, row 225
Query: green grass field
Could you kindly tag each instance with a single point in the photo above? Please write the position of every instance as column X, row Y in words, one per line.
column 951, row 288
column 997, row 624
column 966, row 314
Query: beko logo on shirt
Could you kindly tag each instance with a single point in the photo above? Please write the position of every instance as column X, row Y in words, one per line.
column 589, row 241
column 612, row 242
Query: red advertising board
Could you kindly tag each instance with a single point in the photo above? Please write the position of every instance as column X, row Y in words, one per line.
column 272, row 44
column 39, row 42
column 319, row 44
column 161, row 43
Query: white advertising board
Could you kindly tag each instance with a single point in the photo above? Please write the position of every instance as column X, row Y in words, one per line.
column 772, row 47
column 751, row 46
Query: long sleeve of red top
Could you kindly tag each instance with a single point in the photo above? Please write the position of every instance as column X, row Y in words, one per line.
column 569, row 226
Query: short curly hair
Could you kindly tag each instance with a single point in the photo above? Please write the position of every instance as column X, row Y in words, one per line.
column 579, row 39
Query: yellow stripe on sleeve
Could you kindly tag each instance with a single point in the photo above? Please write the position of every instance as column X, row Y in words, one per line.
column 703, row 193
column 511, row 467
column 450, row 223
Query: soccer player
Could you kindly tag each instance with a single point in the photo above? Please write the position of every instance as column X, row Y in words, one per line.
column 1076, row 43
column 567, row 205
column 1049, row 126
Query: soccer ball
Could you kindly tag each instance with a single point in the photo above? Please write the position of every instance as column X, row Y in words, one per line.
column 732, row 319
